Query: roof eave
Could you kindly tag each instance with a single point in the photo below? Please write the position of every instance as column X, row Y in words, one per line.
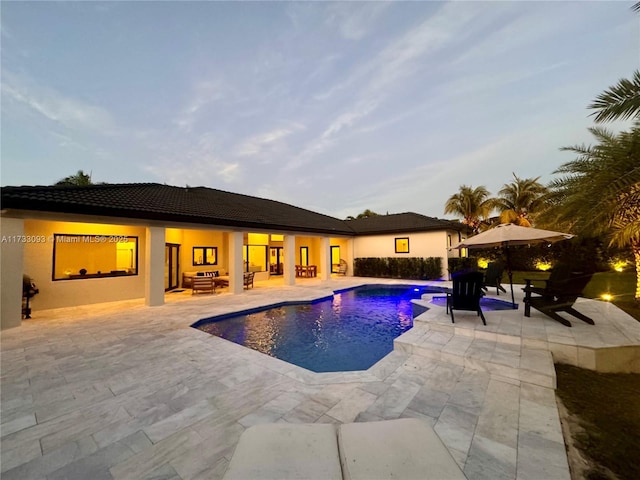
column 53, row 207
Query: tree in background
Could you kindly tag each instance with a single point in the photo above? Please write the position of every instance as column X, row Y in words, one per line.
column 472, row 204
column 366, row 214
column 79, row 178
column 599, row 192
column 520, row 200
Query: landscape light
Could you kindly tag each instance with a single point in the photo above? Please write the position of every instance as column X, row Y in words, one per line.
column 543, row 265
column 607, row 297
column 619, row 265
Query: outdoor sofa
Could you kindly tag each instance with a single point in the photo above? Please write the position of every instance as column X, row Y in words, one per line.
column 220, row 280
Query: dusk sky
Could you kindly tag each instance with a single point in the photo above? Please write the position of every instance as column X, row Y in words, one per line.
column 333, row 107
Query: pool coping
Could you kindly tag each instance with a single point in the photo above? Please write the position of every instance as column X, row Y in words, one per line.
column 375, row 373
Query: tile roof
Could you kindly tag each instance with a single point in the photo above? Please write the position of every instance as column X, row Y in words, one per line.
column 401, row 222
column 202, row 205
column 153, row 201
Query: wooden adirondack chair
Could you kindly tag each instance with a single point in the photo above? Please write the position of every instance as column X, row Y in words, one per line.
column 466, row 294
column 558, row 295
column 493, row 277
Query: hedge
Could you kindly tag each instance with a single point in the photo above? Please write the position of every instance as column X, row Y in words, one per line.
column 413, row 268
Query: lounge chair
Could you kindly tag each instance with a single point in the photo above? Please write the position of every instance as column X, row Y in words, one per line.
column 405, row 448
column 248, row 279
column 558, row 295
column 203, row 284
column 493, row 277
column 466, row 294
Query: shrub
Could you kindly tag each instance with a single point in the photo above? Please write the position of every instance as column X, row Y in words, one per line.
column 413, row 268
column 459, row 264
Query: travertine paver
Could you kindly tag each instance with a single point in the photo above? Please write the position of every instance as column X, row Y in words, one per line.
column 129, row 392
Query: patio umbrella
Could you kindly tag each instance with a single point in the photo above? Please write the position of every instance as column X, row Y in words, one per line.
column 508, row 234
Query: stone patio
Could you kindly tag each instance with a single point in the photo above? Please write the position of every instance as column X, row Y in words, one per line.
column 125, row 391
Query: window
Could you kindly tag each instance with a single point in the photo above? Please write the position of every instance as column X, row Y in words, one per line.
column 205, row 255
column 402, row 245
column 93, row 256
column 449, row 241
column 304, row 256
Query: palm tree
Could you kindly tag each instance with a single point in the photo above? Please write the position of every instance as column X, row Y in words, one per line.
column 599, row 192
column 622, row 101
column 79, row 178
column 472, row 204
column 520, row 200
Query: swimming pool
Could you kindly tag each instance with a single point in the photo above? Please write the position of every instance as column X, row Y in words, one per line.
column 351, row 330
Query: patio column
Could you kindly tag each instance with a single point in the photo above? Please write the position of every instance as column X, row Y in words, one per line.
column 236, row 270
column 325, row 258
column 154, row 263
column 11, row 269
column 289, row 275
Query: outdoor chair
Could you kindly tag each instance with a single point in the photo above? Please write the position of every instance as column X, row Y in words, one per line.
column 203, row 284
column 342, row 267
column 558, row 295
column 248, row 279
column 466, row 294
column 493, row 277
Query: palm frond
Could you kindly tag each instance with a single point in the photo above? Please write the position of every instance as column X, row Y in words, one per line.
column 621, row 101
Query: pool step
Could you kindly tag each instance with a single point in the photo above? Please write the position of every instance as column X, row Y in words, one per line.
column 516, row 362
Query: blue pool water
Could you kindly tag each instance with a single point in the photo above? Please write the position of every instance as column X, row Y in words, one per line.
column 487, row 304
column 350, row 331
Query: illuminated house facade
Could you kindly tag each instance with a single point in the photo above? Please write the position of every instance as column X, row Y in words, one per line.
column 102, row 243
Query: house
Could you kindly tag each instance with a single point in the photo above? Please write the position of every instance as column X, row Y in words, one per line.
column 403, row 235
column 101, row 243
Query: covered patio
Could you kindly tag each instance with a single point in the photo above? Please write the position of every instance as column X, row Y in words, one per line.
column 122, row 390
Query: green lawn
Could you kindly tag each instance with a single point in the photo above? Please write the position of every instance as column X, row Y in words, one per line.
column 607, row 406
column 621, row 285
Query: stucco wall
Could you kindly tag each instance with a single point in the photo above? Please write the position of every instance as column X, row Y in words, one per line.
column 313, row 243
column 38, row 263
column 425, row 244
column 11, row 268
column 188, row 239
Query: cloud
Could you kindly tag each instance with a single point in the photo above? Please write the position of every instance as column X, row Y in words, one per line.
column 383, row 76
column 204, row 94
column 268, row 141
column 205, row 170
column 69, row 112
column 192, row 159
column 348, row 118
column 65, row 141
column 354, row 21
